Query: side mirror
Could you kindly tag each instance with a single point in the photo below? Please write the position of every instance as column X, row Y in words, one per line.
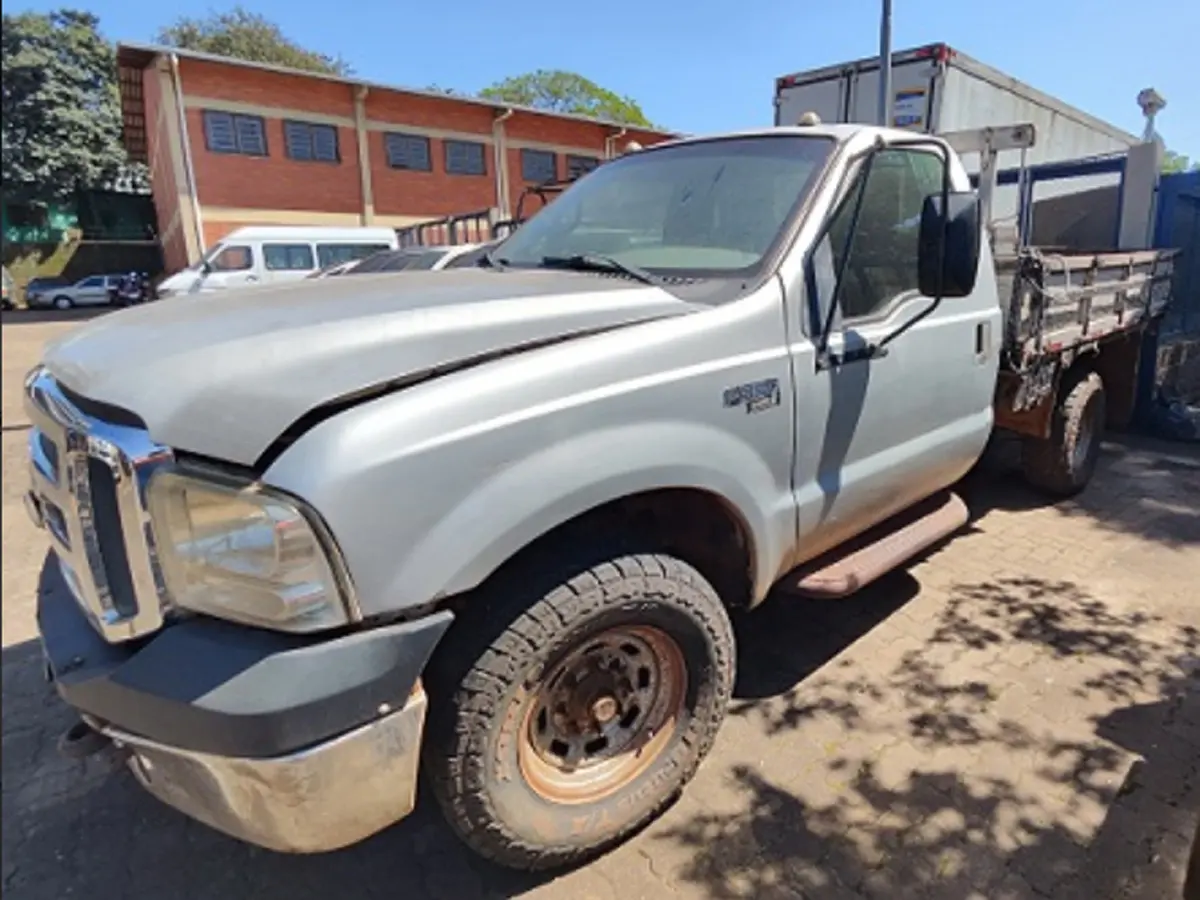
column 948, row 246
column 206, row 267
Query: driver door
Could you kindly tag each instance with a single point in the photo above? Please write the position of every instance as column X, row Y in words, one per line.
column 876, row 434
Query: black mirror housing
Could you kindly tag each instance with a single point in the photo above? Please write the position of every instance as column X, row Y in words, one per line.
column 949, row 245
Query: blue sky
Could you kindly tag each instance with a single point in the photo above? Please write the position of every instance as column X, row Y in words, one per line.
column 708, row 65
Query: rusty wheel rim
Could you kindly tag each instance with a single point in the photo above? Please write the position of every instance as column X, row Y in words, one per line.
column 603, row 714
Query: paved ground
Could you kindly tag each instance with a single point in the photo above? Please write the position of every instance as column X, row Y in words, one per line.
column 1016, row 717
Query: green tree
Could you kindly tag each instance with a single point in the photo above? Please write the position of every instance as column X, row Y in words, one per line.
column 245, row 35
column 567, row 92
column 1177, row 162
column 61, row 108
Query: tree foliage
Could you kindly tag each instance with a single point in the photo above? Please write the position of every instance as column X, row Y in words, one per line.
column 61, row 108
column 567, row 92
column 242, row 34
column 1177, row 162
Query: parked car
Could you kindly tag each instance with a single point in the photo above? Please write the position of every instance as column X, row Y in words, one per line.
column 90, row 291
column 335, row 270
column 35, row 287
column 271, row 254
column 411, row 259
column 538, row 490
column 6, row 290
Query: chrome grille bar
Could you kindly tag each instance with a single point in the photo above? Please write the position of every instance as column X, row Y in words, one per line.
column 114, row 575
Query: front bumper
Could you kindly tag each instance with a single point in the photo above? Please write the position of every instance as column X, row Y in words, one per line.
column 296, row 743
column 318, row 799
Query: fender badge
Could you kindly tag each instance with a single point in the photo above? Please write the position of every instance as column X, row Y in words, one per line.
column 756, row 396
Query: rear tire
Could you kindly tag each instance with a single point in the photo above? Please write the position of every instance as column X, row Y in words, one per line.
column 571, row 702
column 1063, row 464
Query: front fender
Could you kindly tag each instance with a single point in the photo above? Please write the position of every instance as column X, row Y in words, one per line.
column 430, row 489
column 414, row 529
column 529, row 499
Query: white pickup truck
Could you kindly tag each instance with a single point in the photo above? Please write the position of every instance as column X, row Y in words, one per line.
column 524, row 497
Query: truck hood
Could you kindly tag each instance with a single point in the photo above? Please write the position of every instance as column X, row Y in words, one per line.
column 225, row 374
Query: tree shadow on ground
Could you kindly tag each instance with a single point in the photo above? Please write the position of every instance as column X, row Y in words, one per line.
column 951, row 767
column 1143, row 487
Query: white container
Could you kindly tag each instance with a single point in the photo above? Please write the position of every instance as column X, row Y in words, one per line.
column 938, row 89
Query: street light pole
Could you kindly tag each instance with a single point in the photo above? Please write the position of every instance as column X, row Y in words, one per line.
column 885, row 65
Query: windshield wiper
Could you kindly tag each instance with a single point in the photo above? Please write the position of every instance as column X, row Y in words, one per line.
column 593, row 262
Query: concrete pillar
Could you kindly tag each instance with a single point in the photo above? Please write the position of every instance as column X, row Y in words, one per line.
column 1138, row 194
column 361, row 138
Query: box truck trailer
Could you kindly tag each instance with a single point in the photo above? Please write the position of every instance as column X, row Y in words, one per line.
column 937, row 89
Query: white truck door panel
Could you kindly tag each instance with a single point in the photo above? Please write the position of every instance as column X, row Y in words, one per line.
column 875, row 435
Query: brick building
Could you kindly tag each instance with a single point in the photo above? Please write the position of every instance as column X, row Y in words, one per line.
column 232, row 143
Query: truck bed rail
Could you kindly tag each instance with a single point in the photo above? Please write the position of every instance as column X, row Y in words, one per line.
column 1060, row 302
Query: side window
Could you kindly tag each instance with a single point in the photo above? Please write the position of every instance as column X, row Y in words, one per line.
column 235, row 133
column 335, row 254
column 538, row 166
column 407, row 151
column 237, row 258
column 881, row 255
column 309, row 141
column 578, row 166
column 288, row 257
column 94, row 282
column 465, row 158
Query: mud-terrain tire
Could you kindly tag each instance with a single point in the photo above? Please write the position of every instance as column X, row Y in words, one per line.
column 1063, row 464
column 572, row 700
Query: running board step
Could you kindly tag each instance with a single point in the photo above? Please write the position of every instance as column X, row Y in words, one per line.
column 881, row 549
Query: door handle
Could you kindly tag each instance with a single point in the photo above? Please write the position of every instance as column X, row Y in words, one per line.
column 983, row 340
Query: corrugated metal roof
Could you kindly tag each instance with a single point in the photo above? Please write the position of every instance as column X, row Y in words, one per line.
column 135, row 57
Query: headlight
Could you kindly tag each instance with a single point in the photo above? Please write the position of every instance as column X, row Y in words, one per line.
column 244, row 554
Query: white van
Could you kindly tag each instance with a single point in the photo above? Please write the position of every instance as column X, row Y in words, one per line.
column 270, row 254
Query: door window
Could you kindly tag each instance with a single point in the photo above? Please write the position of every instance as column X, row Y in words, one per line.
column 236, row 258
column 880, row 257
column 288, row 257
column 95, row 281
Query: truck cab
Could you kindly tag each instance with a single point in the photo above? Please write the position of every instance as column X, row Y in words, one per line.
column 493, row 521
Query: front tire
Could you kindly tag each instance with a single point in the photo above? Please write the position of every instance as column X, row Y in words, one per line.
column 590, row 695
column 63, row 303
column 1063, row 464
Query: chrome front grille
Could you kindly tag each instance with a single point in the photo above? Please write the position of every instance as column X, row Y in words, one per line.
column 88, row 490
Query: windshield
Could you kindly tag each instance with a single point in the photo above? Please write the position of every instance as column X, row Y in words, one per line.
column 714, row 208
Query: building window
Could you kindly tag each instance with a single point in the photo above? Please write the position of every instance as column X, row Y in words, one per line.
column 288, row 257
column 235, row 133
column 538, row 165
column 310, row 142
column 580, row 165
column 407, row 151
column 464, row 158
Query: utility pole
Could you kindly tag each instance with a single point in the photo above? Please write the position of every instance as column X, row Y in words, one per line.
column 885, row 65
